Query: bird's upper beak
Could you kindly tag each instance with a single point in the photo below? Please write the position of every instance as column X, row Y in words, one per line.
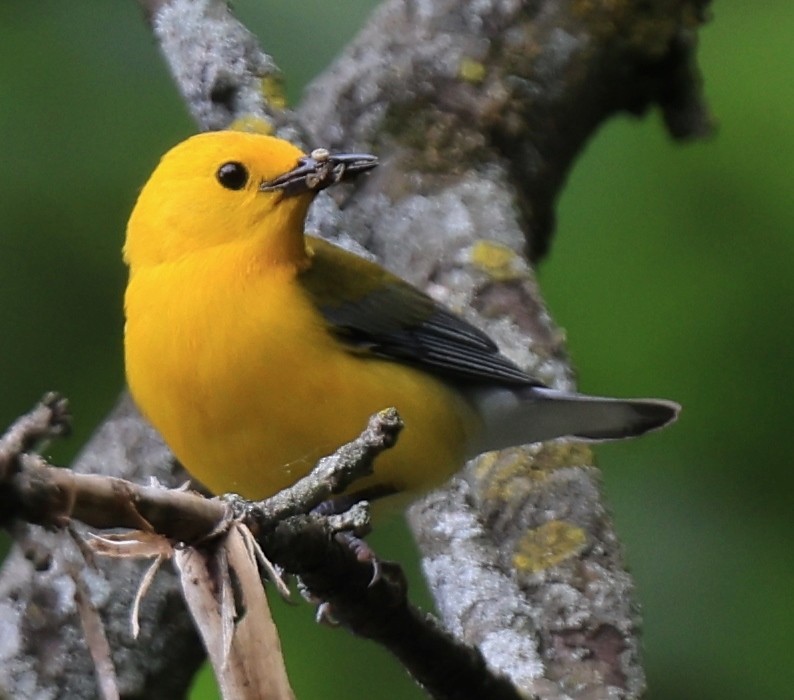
column 318, row 170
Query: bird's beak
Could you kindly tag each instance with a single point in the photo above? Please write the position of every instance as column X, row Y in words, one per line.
column 318, row 170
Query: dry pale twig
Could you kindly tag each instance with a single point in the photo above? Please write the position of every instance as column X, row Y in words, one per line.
column 91, row 622
column 237, row 629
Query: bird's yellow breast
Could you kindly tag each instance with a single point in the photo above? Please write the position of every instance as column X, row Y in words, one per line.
column 238, row 371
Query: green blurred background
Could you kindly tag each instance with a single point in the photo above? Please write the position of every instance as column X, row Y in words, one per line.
column 672, row 274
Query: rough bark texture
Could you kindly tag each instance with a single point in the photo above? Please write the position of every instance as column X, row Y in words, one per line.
column 477, row 111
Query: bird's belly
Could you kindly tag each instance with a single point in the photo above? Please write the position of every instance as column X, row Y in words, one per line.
column 252, row 408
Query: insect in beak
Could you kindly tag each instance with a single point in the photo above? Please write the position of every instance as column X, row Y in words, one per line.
column 318, row 170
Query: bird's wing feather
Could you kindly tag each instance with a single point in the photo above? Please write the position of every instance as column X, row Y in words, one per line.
column 373, row 311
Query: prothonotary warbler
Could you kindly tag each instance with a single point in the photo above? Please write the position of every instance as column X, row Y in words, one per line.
column 256, row 349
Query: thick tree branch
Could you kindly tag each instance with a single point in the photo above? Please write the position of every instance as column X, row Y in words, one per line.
column 477, row 112
column 444, row 87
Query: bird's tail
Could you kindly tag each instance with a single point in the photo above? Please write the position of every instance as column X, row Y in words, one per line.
column 534, row 414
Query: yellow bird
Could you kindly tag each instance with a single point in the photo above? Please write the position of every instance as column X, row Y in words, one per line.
column 256, row 349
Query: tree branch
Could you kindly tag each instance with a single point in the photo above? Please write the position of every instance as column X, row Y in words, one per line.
column 36, row 492
column 444, row 87
column 477, row 113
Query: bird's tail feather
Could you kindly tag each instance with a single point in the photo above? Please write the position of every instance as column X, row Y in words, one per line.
column 536, row 413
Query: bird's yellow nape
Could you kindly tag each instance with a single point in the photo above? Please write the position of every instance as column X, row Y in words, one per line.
column 207, row 192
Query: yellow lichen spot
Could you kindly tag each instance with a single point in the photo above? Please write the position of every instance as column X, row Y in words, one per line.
column 498, row 261
column 556, row 455
column 273, row 91
column 471, row 71
column 548, row 545
column 505, row 474
column 484, row 464
column 252, row 124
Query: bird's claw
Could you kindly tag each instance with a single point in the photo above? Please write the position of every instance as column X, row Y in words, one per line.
column 363, row 552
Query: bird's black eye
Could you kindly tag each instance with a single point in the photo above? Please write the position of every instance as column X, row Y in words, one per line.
column 232, row 175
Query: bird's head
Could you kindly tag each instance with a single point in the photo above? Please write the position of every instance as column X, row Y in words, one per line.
column 227, row 187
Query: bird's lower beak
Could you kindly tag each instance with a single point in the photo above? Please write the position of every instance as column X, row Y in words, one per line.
column 318, row 170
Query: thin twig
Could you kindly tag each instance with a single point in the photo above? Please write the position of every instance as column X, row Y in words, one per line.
column 50, row 418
